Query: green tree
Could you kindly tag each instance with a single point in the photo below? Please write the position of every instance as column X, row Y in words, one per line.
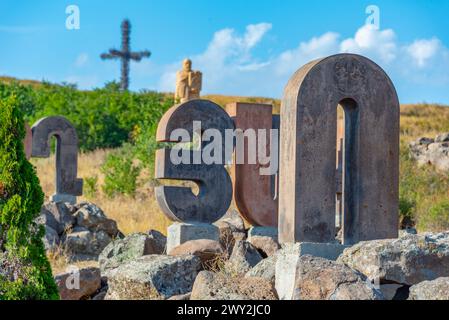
column 25, row 272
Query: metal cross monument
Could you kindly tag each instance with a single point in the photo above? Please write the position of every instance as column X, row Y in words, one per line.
column 125, row 54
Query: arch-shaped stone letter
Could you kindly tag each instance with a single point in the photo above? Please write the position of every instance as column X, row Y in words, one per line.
column 215, row 187
column 68, row 186
column 308, row 151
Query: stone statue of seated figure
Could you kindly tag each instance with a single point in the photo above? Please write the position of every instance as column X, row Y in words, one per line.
column 188, row 83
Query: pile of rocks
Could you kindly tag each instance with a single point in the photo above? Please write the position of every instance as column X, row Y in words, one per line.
column 432, row 151
column 82, row 231
column 415, row 266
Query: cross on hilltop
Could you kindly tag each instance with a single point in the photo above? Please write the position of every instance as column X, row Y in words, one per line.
column 125, row 54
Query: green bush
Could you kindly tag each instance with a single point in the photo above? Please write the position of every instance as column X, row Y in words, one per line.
column 423, row 192
column 103, row 118
column 437, row 218
column 120, row 173
column 90, row 187
column 25, row 272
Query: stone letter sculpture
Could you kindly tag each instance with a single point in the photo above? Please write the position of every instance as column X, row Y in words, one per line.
column 255, row 195
column 215, row 187
column 188, row 83
column 67, row 184
column 308, row 152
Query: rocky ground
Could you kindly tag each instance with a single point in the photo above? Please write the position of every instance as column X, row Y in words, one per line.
column 414, row 266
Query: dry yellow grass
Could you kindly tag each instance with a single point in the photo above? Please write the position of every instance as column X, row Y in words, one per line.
column 137, row 214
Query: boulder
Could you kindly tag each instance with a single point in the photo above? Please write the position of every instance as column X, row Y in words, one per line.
column 83, row 242
column 232, row 229
column 51, row 239
column 442, row 137
column 408, row 260
column 131, row 247
column 93, row 218
column 233, row 219
column 79, row 283
column 216, row 286
column 264, row 239
column 437, row 289
column 316, row 278
column 206, row 250
column 153, row 277
column 265, row 269
column 57, row 216
column 181, row 297
column 159, row 242
column 244, row 257
column 432, row 151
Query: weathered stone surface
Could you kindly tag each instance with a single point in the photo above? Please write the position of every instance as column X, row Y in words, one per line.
column 179, row 203
column 216, row 286
column 264, row 269
column 85, row 242
column 288, row 259
column 231, row 228
column 315, row 278
column 442, row 137
column 206, row 250
column 93, row 218
column 244, row 257
column 57, row 216
column 264, row 239
column 68, row 186
column 153, row 277
column 124, row 250
column 233, row 220
column 308, row 152
column 78, row 284
column 432, row 151
column 253, row 189
column 178, row 233
column 51, row 239
column 181, row 297
column 159, row 242
column 437, row 289
column 389, row 291
column 408, row 260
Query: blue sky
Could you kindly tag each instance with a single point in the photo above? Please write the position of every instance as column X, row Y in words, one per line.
column 243, row 47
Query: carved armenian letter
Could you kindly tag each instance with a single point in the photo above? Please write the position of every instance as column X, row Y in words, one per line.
column 68, row 186
column 215, row 187
column 308, row 152
column 255, row 195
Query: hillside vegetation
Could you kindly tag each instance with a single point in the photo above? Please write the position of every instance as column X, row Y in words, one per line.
column 117, row 141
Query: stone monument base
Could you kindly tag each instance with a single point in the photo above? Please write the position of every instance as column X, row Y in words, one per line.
column 287, row 262
column 179, row 233
column 65, row 198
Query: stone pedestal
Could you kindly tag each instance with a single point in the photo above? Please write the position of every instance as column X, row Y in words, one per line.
column 287, row 261
column 179, row 233
column 65, row 198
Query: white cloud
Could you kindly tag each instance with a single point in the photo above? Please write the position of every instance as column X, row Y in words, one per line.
column 226, row 55
column 230, row 66
column 423, row 50
column 289, row 61
column 371, row 42
column 81, row 60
